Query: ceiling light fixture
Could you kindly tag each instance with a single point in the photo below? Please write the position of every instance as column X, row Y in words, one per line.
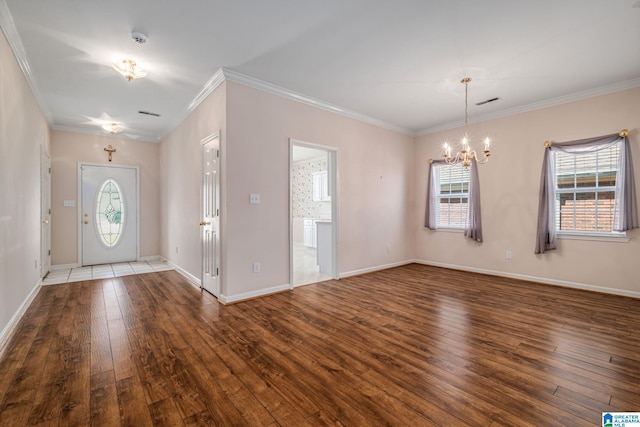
column 129, row 69
column 465, row 155
column 112, row 127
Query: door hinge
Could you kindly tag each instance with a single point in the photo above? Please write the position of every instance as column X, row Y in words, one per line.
column 49, row 252
column 49, row 211
column 218, row 153
column 217, row 271
column 217, row 212
column 49, row 170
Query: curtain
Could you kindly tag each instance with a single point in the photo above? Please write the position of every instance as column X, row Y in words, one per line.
column 625, row 213
column 473, row 228
column 433, row 183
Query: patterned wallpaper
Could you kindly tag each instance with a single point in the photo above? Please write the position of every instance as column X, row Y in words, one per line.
column 302, row 190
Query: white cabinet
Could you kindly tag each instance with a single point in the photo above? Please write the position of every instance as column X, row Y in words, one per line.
column 310, row 232
column 321, row 187
column 325, row 246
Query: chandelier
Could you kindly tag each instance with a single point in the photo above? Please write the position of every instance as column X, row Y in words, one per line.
column 465, row 155
column 129, row 69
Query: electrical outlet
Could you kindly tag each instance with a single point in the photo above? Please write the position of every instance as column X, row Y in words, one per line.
column 508, row 255
column 256, row 267
column 254, row 199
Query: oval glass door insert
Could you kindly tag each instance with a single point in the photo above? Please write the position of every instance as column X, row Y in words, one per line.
column 110, row 213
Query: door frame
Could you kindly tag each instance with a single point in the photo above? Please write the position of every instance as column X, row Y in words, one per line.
column 332, row 167
column 216, row 135
column 45, row 217
column 79, row 204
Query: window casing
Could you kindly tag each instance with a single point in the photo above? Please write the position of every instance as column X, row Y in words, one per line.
column 452, row 195
column 585, row 191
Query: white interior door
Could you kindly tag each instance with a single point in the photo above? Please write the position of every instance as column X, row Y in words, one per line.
column 109, row 214
column 210, row 223
column 45, row 209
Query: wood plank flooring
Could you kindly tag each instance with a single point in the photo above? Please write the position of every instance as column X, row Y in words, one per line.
column 409, row 346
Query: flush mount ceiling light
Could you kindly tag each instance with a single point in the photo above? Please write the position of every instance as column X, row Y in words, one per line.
column 112, row 127
column 466, row 154
column 129, row 69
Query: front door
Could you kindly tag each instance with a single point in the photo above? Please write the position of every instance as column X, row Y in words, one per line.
column 109, row 214
column 210, row 223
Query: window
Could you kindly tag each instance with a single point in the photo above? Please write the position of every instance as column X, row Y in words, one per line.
column 452, row 194
column 109, row 213
column 585, row 190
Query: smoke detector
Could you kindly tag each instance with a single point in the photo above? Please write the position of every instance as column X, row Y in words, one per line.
column 139, row 37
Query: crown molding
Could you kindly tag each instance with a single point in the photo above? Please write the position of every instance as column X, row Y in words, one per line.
column 13, row 38
column 577, row 96
column 99, row 132
column 212, row 84
column 245, row 80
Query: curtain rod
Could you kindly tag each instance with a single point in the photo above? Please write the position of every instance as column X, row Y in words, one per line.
column 623, row 133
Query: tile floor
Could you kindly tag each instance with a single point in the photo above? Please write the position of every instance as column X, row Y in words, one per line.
column 104, row 271
column 305, row 266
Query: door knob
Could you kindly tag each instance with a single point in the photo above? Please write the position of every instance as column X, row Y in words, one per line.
column 86, row 222
column 46, row 221
column 204, row 223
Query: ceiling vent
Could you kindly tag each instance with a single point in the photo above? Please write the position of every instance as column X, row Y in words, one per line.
column 487, row 101
column 138, row 37
column 149, row 113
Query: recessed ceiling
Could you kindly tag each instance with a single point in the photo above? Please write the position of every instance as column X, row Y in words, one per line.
column 397, row 63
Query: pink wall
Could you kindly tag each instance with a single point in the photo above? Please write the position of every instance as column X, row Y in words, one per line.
column 181, row 165
column 67, row 150
column 23, row 133
column 375, row 180
column 509, row 188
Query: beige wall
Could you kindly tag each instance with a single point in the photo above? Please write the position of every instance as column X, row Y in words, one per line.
column 23, row 131
column 375, row 180
column 67, row 150
column 509, row 188
column 181, row 165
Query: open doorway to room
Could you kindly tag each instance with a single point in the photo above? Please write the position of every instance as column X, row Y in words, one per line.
column 313, row 213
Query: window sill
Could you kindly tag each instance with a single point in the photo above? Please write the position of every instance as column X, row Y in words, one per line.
column 450, row 229
column 621, row 238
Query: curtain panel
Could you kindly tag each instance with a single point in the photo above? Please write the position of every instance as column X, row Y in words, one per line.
column 473, row 227
column 625, row 212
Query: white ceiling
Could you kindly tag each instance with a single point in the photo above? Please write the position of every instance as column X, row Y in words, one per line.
column 393, row 63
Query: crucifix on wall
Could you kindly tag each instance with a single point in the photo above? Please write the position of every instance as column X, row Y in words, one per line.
column 110, row 150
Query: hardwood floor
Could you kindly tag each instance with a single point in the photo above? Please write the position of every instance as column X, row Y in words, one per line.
column 409, row 346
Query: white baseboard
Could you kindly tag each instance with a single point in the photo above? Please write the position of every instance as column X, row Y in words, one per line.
column 8, row 331
column 376, row 268
column 64, row 266
column 543, row 280
column 149, row 258
column 193, row 280
column 253, row 294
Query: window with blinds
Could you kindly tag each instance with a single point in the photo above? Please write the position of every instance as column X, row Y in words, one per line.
column 453, row 196
column 585, row 190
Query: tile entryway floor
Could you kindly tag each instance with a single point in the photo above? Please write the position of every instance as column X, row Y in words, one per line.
column 104, row 271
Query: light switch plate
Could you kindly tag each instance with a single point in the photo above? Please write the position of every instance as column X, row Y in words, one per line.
column 69, row 203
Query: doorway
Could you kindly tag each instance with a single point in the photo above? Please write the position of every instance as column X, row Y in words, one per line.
column 210, row 223
column 45, row 212
column 108, row 214
column 313, row 215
